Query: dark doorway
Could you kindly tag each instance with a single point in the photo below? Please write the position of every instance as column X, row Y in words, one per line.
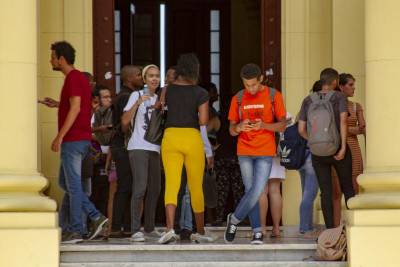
column 224, row 34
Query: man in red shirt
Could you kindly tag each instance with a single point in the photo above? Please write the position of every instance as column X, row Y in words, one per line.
column 252, row 117
column 73, row 140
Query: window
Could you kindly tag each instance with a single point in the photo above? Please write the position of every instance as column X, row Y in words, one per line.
column 162, row 44
column 117, row 50
column 215, row 52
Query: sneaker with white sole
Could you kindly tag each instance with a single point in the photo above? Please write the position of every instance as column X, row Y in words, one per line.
column 71, row 238
column 168, row 237
column 98, row 226
column 206, row 238
column 138, row 237
column 154, row 234
column 230, row 230
column 257, row 238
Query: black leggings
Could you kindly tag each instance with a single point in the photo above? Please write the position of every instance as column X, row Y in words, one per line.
column 323, row 169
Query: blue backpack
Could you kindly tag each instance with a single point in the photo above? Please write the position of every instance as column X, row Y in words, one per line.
column 292, row 148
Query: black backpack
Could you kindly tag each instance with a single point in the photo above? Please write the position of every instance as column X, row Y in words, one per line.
column 292, row 148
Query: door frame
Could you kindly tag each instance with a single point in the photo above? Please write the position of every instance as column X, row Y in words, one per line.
column 271, row 41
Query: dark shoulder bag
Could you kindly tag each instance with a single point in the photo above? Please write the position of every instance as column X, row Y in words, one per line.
column 155, row 129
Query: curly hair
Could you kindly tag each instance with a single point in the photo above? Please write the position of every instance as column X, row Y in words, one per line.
column 188, row 67
column 64, row 49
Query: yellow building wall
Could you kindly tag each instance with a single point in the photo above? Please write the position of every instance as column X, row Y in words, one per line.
column 306, row 50
column 69, row 20
column 348, row 46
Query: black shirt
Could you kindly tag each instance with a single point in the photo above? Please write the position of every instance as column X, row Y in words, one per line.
column 183, row 102
column 118, row 106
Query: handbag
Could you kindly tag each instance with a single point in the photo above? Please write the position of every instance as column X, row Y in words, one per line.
column 155, row 129
column 210, row 189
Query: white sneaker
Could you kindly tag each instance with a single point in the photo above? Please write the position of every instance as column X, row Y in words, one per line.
column 154, row 234
column 206, row 238
column 168, row 237
column 138, row 237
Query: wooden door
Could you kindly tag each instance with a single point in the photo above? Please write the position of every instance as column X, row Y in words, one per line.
column 103, row 42
column 271, row 41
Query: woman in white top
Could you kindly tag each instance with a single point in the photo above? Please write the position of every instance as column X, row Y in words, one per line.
column 144, row 157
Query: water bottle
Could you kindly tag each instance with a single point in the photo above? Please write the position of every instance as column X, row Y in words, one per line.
column 146, row 92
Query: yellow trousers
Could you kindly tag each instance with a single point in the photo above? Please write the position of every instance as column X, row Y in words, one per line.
column 183, row 146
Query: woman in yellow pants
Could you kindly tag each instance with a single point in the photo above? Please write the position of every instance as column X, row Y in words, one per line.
column 187, row 106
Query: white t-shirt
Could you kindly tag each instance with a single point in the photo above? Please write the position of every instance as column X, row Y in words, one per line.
column 142, row 120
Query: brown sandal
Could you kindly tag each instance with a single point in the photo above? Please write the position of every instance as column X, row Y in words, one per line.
column 275, row 236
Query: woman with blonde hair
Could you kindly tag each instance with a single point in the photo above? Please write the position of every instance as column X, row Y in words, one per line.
column 144, row 157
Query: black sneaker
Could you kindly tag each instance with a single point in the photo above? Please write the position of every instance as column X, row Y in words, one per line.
column 185, row 234
column 257, row 238
column 99, row 226
column 230, row 230
column 71, row 238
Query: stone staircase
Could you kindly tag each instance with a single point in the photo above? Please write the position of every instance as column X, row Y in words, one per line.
column 286, row 251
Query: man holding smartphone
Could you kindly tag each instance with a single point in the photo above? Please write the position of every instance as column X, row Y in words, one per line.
column 73, row 141
column 252, row 117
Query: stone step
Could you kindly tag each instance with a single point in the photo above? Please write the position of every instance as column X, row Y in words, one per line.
column 209, row 264
column 289, row 250
column 283, row 249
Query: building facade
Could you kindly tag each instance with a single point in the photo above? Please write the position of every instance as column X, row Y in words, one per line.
column 356, row 36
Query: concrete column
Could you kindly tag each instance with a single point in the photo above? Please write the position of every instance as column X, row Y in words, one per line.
column 29, row 234
column 374, row 219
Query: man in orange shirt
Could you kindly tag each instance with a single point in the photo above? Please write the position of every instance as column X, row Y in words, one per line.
column 252, row 116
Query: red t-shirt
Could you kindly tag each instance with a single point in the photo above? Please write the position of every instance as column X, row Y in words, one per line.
column 76, row 84
column 258, row 106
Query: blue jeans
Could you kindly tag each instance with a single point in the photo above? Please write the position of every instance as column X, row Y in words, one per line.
column 309, row 188
column 64, row 214
column 186, row 220
column 255, row 173
column 75, row 201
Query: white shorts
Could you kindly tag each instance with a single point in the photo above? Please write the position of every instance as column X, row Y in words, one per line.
column 277, row 170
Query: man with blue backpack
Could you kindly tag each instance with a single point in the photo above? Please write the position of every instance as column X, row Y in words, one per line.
column 323, row 122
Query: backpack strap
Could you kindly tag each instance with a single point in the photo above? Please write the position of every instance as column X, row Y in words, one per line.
column 315, row 97
column 329, row 95
column 239, row 97
column 272, row 92
column 134, row 117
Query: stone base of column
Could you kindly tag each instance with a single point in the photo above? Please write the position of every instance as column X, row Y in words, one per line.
column 373, row 223
column 372, row 237
column 29, row 239
column 29, row 232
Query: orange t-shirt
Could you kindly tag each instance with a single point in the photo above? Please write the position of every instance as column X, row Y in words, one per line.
column 258, row 106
